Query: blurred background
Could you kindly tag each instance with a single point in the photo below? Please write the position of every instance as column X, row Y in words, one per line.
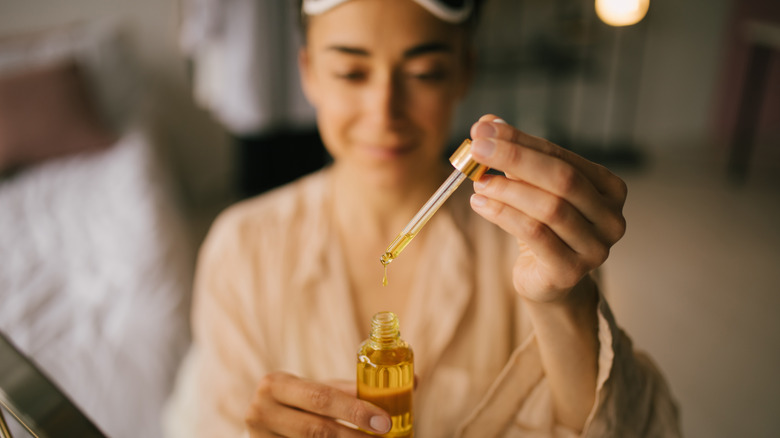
column 126, row 126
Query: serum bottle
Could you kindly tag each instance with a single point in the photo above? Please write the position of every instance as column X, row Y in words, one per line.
column 385, row 373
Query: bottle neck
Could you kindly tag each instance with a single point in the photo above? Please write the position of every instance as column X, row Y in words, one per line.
column 385, row 331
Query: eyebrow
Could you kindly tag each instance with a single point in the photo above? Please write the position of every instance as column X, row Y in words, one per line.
column 422, row 49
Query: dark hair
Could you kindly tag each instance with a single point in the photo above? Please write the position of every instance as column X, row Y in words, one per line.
column 470, row 24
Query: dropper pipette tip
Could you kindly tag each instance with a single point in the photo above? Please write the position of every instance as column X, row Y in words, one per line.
column 465, row 166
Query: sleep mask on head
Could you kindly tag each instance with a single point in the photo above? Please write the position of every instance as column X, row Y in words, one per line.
column 451, row 11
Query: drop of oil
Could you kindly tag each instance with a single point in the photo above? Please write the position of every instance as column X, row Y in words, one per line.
column 385, row 260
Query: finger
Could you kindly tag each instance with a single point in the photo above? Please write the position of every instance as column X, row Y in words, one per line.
column 557, row 214
column 557, row 267
column 602, row 178
column 327, row 401
column 491, row 118
column 557, row 177
column 280, row 420
column 305, row 424
column 539, row 238
column 345, row 386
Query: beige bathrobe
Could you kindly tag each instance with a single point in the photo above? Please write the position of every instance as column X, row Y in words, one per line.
column 272, row 294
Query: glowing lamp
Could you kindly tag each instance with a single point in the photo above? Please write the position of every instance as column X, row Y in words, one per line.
column 622, row 12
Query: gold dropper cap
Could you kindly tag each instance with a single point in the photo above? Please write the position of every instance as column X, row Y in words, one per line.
column 464, row 162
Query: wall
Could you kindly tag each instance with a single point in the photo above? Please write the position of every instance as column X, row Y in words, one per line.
column 731, row 83
column 668, row 68
column 685, row 47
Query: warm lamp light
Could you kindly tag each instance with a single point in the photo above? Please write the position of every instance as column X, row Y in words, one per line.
column 622, row 12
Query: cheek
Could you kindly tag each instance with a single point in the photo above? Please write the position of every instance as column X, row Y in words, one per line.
column 333, row 100
column 334, row 113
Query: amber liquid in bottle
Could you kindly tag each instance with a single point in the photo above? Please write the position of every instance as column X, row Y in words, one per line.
column 385, row 373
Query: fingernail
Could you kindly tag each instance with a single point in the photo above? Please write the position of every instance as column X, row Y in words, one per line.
column 478, row 200
column 482, row 182
column 483, row 147
column 499, row 121
column 380, row 424
column 485, row 130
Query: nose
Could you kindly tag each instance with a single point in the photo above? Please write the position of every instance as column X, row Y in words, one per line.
column 386, row 102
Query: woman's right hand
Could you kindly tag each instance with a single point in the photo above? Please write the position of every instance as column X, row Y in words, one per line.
column 289, row 406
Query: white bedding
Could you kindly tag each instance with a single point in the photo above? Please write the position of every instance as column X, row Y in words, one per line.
column 95, row 274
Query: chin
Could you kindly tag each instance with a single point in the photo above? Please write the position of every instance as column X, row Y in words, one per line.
column 397, row 172
column 403, row 178
column 386, row 177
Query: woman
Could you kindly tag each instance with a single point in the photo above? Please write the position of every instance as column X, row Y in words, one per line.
column 511, row 335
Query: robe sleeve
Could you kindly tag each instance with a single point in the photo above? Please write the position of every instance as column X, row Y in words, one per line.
column 632, row 397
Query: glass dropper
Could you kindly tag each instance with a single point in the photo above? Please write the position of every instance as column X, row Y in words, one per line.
column 465, row 166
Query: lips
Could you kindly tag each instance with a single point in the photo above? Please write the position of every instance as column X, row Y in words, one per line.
column 387, row 151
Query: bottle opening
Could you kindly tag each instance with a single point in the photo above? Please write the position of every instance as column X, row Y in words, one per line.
column 384, row 327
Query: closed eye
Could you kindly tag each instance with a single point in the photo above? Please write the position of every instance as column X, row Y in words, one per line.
column 429, row 76
column 352, row 76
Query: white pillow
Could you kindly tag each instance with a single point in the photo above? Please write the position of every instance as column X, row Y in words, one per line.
column 99, row 50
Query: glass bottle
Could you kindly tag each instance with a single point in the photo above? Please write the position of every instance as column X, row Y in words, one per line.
column 385, row 373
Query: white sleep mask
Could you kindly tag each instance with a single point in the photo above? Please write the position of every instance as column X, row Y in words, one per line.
column 451, row 11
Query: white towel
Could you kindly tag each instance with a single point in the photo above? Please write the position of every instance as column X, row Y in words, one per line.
column 244, row 68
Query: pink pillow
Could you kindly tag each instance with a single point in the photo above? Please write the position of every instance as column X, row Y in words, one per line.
column 47, row 112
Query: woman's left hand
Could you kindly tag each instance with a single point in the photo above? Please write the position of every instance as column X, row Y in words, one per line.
column 565, row 211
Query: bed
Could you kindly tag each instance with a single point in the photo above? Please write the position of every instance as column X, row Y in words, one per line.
column 95, row 255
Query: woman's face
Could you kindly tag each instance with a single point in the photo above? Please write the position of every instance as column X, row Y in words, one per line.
column 384, row 77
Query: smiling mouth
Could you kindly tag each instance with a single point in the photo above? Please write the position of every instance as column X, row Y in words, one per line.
column 388, row 152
